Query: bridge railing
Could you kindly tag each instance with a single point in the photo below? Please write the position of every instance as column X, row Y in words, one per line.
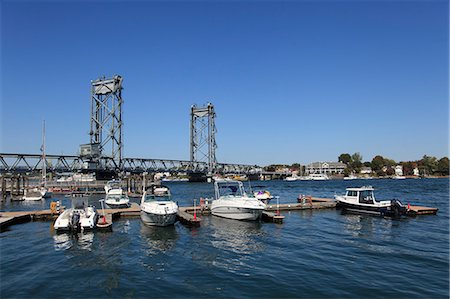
column 29, row 163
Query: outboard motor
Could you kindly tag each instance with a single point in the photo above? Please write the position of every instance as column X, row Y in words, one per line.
column 75, row 222
column 398, row 209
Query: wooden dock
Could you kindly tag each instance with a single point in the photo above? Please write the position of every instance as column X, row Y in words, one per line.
column 186, row 214
column 419, row 210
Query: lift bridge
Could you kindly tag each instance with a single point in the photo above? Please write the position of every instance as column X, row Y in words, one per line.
column 104, row 152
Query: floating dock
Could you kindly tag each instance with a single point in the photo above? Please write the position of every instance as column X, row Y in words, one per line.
column 188, row 215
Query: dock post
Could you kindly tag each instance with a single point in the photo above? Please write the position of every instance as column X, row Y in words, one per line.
column 3, row 188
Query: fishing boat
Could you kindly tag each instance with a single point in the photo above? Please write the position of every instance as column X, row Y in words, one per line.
column 80, row 216
column 362, row 200
column 33, row 194
column 157, row 208
column 116, row 197
column 231, row 201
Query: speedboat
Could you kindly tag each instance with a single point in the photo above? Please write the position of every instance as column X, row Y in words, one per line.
column 116, row 198
column 157, row 208
column 398, row 177
column 362, row 200
column 319, row 177
column 32, row 194
column 232, row 202
column 80, row 217
column 351, row 177
column 263, row 196
column 291, row 178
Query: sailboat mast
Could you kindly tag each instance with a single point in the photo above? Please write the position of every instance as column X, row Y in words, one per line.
column 44, row 161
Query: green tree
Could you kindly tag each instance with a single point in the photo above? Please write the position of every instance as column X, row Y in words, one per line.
column 347, row 171
column 345, row 158
column 428, row 164
column 356, row 162
column 443, row 166
column 377, row 163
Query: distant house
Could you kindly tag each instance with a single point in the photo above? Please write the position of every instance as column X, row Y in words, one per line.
column 399, row 170
column 416, row 171
column 366, row 170
column 326, row 167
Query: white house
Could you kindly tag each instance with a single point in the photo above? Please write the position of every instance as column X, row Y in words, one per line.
column 326, row 167
column 366, row 170
column 399, row 170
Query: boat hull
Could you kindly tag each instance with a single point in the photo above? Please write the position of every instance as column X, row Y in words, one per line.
column 118, row 205
column 154, row 219
column 371, row 210
column 237, row 213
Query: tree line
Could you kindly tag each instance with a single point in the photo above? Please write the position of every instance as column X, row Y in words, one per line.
column 382, row 166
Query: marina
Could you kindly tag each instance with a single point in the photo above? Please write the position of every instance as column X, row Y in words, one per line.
column 186, row 214
column 216, row 246
column 224, row 149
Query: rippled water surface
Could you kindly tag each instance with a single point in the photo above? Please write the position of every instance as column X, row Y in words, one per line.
column 312, row 254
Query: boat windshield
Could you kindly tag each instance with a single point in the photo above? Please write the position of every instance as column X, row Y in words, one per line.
column 229, row 189
column 152, row 197
column 79, row 203
column 116, row 197
column 114, row 185
column 366, row 196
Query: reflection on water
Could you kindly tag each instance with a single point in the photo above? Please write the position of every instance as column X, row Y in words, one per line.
column 238, row 240
column 237, row 236
column 64, row 241
column 158, row 239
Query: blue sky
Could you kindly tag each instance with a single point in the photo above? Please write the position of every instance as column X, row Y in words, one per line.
column 296, row 81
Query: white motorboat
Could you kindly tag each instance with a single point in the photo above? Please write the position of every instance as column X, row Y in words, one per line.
column 398, row 177
column 157, row 209
column 32, row 194
column 80, row 216
column 362, row 200
column 116, row 197
column 232, row 202
column 351, row 177
column 175, row 180
column 315, row 177
column 291, row 178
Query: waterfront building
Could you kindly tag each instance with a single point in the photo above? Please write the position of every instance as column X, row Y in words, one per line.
column 399, row 170
column 326, row 168
column 366, row 170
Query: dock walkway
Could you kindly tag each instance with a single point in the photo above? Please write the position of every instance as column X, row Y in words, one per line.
column 186, row 214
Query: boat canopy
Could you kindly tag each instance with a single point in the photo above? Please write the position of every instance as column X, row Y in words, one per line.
column 229, row 188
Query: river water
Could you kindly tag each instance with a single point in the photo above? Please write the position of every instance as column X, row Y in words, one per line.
column 313, row 254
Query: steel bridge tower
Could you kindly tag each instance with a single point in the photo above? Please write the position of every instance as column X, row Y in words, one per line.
column 106, row 117
column 203, row 135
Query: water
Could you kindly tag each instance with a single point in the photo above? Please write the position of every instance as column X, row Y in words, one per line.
column 313, row 254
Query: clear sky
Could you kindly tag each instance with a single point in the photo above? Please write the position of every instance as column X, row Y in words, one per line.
column 296, row 81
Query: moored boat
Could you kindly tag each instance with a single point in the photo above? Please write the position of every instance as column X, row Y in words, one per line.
column 80, row 216
column 263, row 195
column 116, row 198
column 157, row 208
column 33, row 194
column 232, row 202
column 362, row 200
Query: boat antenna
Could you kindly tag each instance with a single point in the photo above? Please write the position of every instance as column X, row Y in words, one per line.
column 250, row 186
